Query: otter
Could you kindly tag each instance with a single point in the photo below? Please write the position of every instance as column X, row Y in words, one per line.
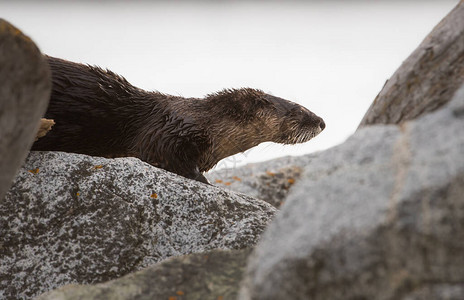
column 99, row 113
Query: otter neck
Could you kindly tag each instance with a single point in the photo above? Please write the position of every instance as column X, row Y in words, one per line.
column 229, row 135
column 230, row 139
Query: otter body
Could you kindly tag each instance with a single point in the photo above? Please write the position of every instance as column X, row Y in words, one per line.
column 99, row 113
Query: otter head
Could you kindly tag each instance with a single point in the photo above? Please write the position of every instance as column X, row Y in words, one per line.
column 267, row 118
column 289, row 122
column 241, row 119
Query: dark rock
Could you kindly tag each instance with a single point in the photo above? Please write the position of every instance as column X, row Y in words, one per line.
column 25, row 87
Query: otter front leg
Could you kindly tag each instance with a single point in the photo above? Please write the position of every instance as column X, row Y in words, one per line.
column 196, row 175
column 187, row 170
column 182, row 168
column 193, row 173
column 179, row 154
column 202, row 178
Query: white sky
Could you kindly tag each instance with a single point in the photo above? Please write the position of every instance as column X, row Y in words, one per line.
column 332, row 57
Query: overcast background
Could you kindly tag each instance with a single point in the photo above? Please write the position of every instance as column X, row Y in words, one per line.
column 331, row 56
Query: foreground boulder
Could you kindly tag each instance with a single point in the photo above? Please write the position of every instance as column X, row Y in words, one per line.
column 211, row 275
column 25, row 86
column 379, row 217
column 73, row 218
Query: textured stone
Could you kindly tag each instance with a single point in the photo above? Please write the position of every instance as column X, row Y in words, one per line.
column 438, row 291
column 72, row 218
column 25, row 86
column 427, row 79
column 378, row 217
column 210, row 275
column 270, row 181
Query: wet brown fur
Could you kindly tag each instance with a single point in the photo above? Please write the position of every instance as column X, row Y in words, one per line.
column 97, row 112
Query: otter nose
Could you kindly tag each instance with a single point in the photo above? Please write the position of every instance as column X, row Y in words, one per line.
column 322, row 124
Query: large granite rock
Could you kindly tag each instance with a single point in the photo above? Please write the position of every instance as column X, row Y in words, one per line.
column 25, row 86
column 210, row 275
column 378, row 217
column 270, row 181
column 427, row 79
column 72, row 218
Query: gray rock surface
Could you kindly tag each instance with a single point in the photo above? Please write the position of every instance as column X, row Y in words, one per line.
column 270, row 181
column 25, row 86
column 378, row 217
column 72, row 218
column 427, row 79
column 438, row 291
column 201, row 276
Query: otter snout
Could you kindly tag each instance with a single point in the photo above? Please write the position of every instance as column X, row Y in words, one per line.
column 319, row 122
column 314, row 121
